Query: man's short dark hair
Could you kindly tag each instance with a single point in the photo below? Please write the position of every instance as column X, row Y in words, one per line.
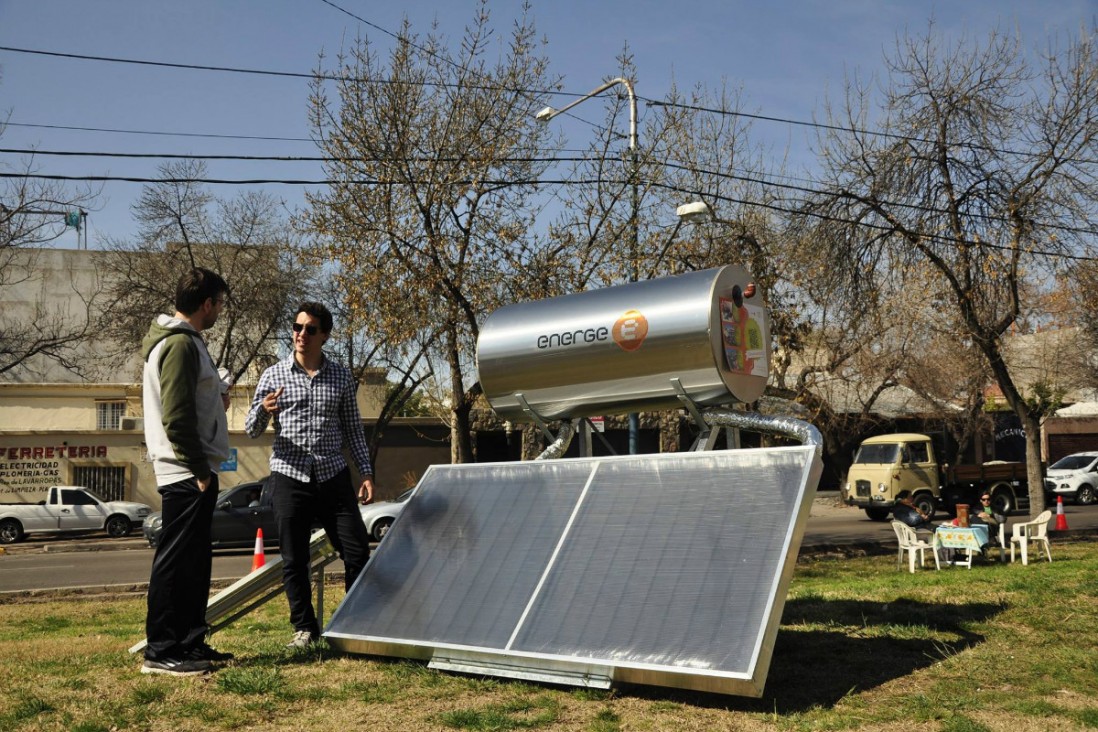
column 197, row 286
column 902, row 495
column 318, row 311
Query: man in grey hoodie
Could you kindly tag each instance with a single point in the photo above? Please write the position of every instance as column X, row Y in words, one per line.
column 187, row 437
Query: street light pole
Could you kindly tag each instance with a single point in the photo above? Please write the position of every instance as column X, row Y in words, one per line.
column 549, row 113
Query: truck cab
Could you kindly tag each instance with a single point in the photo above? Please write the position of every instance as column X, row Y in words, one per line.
column 888, row 464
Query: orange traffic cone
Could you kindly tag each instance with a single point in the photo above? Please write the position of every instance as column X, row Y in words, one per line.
column 1061, row 519
column 258, row 559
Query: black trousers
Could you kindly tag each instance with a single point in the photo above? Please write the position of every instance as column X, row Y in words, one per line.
column 298, row 505
column 179, row 585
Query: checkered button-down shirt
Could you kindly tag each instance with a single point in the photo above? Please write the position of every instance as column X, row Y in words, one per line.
column 316, row 415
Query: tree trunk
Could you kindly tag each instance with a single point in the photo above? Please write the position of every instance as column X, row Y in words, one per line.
column 461, row 445
column 1033, row 464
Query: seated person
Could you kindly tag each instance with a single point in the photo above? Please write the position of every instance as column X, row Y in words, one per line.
column 906, row 511
column 253, row 498
column 985, row 515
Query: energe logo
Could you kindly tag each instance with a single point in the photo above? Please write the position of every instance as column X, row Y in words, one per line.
column 630, row 330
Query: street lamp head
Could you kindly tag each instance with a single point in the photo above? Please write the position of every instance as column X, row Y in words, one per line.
column 545, row 115
column 693, row 212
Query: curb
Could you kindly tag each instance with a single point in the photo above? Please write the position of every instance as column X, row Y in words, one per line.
column 97, row 544
column 121, row 590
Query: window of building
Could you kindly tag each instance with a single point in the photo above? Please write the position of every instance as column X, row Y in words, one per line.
column 108, row 415
column 108, row 481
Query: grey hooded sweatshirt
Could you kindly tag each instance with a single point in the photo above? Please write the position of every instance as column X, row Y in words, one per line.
column 186, row 430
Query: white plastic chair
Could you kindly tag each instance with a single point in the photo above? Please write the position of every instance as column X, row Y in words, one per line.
column 1035, row 532
column 911, row 544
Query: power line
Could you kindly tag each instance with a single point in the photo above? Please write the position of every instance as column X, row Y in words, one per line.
column 864, row 224
column 834, row 128
column 290, row 181
column 190, row 134
column 402, row 39
column 153, row 132
column 530, row 159
column 898, row 204
column 266, row 158
column 529, row 93
column 287, row 74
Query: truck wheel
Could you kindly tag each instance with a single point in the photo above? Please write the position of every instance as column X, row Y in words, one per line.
column 117, row 526
column 877, row 514
column 925, row 503
column 1085, row 495
column 11, row 531
column 1002, row 502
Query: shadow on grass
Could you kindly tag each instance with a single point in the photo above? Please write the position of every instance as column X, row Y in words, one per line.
column 872, row 644
column 816, row 668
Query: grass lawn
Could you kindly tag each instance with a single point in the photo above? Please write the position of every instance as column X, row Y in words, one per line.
column 862, row 646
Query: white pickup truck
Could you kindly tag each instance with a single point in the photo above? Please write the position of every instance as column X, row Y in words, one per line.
column 70, row 508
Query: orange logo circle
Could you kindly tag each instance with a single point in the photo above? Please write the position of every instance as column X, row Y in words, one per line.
column 630, row 330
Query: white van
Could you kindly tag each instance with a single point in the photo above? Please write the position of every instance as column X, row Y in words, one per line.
column 1074, row 476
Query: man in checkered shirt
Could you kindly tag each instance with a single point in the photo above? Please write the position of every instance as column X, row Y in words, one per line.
column 311, row 401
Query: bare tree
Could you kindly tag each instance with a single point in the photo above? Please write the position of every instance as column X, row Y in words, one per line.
column 981, row 171
column 47, row 318
column 246, row 239
column 397, row 372
column 431, row 166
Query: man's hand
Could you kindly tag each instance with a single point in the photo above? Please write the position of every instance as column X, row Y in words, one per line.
column 270, row 402
column 204, row 483
column 366, row 491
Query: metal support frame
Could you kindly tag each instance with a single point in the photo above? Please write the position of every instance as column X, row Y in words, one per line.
column 707, row 436
column 557, row 443
column 261, row 586
column 537, row 418
column 711, row 420
column 601, row 437
column 585, row 430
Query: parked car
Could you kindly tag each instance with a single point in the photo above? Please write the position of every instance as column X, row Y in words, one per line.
column 69, row 508
column 378, row 517
column 1074, row 477
column 240, row 512
column 236, row 519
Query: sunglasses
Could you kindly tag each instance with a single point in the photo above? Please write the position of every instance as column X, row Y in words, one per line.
column 309, row 329
column 985, row 500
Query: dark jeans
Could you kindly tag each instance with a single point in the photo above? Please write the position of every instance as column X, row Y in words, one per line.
column 179, row 585
column 298, row 505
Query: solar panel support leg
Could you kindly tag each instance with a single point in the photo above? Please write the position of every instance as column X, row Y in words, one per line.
column 537, row 418
column 707, row 436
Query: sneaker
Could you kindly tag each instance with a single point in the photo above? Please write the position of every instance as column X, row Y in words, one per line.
column 303, row 639
column 203, row 652
column 175, row 667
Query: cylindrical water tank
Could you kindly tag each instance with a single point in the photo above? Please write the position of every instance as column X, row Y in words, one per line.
column 618, row 349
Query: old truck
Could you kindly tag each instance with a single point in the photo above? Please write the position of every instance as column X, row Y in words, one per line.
column 888, row 464
column 70, row 508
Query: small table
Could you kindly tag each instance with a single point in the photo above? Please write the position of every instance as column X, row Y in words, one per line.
column 970, row 538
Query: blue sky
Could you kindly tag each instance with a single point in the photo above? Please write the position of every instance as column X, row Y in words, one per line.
column 786, row 56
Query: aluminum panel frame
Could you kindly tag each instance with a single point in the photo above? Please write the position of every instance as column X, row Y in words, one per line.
column 702, row 614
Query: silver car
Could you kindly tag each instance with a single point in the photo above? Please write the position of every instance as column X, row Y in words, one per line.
column 378, row 517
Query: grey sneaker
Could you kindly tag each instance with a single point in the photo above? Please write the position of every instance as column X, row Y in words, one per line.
column 303, row 639
column 176, row 667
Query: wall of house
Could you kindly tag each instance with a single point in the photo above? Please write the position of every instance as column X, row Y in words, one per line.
column 33, row 461
column 48, row 435
column 1065, row 435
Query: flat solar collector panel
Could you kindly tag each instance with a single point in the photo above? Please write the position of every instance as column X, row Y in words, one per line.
column 667, row 569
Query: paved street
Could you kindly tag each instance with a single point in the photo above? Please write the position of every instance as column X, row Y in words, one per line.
column 96, row 562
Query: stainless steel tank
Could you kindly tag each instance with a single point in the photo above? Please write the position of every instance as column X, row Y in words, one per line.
column 619, row 349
